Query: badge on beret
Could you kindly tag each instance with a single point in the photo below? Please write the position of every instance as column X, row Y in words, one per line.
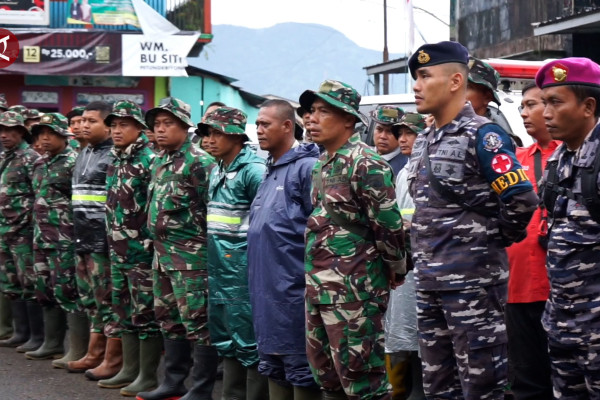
column 559, row 72
column 492, row 142
column 423, row 57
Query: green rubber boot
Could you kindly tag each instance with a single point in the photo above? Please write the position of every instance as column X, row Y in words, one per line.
column 257, row 385
column 20, row 324
column 79, row 337
column 6, row 327
column 35, row 316
column 150, row 351
column 234, row 379
column 131, row 363
column 280, row 392
column 55, row 327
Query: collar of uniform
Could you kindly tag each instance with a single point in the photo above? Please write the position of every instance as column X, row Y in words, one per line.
column 465, row 116
column 535, row 147
column 21, row 146
column 180, row 151
column 62, row 154
column 355, row 138
column 389, row 156
column 127, row 152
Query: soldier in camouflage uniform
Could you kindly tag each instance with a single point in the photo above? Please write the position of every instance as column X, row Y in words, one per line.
column 354, row 250
column 571, row 194
column 32, row 117
column 75, row 116
column 472, row 199
column 131, row 251
column 17, row 277
column 233, row 185
column 6, row 328
column 54, row 250
column 178, row 196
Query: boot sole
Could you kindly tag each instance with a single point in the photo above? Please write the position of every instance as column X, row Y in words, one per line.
column 165, row 398
column 45, row 357
column 114, row 385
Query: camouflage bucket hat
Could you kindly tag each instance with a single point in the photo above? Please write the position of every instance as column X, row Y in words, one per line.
column 18, row 109
column 55, row 121
column 228, row 120
column 387, row 115
column 10, row 119
column 482, row 73
column 178, row 108
column 413, row 121
column 32, row 113
column 3, row 102
column 337, row 94
column 126, row 109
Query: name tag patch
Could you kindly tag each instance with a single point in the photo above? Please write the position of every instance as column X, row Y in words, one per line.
column 509, row 179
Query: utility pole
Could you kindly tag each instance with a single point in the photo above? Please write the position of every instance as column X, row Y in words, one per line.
column 386, row 87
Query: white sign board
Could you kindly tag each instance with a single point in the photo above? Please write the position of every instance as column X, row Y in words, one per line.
column 156, row 55
column 25, row 12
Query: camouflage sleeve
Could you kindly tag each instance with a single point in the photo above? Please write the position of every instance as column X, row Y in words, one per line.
column 499, row 165
column 372, row 180
column 254, row 177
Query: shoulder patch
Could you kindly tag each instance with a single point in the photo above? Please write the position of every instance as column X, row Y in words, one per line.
column 492, row 142
column 502, row 163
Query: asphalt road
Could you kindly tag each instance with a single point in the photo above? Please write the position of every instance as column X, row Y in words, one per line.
column 25, row 379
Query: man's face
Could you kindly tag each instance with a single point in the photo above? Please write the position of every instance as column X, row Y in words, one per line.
column 51, row 142
column 532, row 112
column 385, row 142
column 124, row 131
column 306, row 120
column 75, row 125
column 479, row 96
column 406, row 140
column 565, row 116
column 205, row 144
column 221, row 144
column 10, row 137
column 150, row 135
column 93, row 128
column 432, row 88
column 170, row 134
column 272, row 132
column 327, row 123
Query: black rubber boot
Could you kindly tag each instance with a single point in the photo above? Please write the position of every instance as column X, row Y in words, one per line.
column 6, row 325
column 280, row 392
column 204, row 373
column 20, row 323
column 337, row 395
column 416, row 373
column 177, row 368
column 35, row 316
column 55, row 327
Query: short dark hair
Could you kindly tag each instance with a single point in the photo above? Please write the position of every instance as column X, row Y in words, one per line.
column 102, row 106
column 216, row 103
column 527, row 87
column 582, row 92
column 284, row 109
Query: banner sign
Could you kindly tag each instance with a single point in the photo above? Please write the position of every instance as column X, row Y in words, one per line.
column 156, row 56
column 102, row 12
column 33, row 12
column 59, row 53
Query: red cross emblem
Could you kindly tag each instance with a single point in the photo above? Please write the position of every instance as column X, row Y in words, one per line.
column 501, row 163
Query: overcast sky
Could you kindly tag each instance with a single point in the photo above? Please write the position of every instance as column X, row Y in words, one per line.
column 360, row 20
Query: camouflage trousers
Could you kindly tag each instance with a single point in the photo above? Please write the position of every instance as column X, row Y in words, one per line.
column 462, row 337
column 95, row 288
column 232, row 332
column 132, row 301
column 345, row 347
column 575, row 370
column 17, row 277
column 55, row 278
column 180, row 303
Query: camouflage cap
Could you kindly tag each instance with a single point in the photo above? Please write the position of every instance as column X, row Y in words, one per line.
column 178, row 108
column 126, row 109
column 387, row 115
column 3, row 102
column 10, row 119
column 337, row 94
column 32, row 113
column 228, row 120
column 55, row 121
column 413, row 121
column 482, row 73
column 19, row 109
column 75, row 112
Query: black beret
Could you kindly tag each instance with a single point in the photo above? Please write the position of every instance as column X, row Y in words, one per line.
column 437, row 53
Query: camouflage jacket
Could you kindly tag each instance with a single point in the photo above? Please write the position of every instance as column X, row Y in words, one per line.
column 454, row 248
column 342, row 266
column 177, row 209
column 127, row 180
column 16, row 190
column 572, row 315
column 52, row 210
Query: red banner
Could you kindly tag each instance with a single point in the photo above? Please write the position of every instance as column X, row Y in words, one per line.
column 73, row 53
